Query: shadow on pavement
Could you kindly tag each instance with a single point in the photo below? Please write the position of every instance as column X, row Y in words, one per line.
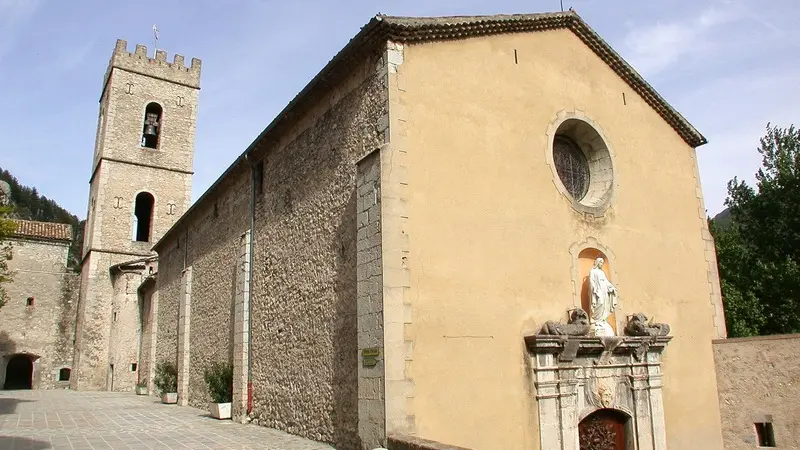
column 8, row 405
column 23, row 442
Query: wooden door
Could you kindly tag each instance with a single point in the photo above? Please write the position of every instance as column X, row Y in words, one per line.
column 603, row 430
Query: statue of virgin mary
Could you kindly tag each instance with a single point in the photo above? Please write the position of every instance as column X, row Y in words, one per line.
column 604, row 300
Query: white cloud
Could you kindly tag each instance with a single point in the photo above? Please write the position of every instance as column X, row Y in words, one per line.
column 655, row 47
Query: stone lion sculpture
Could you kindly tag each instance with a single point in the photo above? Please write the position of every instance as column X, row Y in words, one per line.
column 639, row 326
column 578, row 325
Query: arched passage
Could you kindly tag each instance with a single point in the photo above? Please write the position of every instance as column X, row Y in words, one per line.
column 604, row 429
column 19, row 372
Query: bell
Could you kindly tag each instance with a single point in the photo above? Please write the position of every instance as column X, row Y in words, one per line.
column 150, row 130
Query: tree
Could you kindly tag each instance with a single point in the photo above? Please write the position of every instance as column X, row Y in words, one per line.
column 759, row 250
column 7, row 228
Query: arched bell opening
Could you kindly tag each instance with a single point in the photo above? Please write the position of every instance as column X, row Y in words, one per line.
column 19, row 372
column 151, row 128
column 606, row 429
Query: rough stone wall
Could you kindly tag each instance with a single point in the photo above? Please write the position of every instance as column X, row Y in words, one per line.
column 149, row 313
column 125, row 331
column 212, row 251
column 214, row 246
column 45, row 329
column 758, row 380
column 168, row 282
column 95, row 320
column 122, row 169
column 303, row 310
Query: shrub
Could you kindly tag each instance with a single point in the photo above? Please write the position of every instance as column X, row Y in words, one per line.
column 166, row 379
column 219, row 379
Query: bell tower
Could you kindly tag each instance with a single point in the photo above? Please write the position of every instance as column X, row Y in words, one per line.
column 140, row 184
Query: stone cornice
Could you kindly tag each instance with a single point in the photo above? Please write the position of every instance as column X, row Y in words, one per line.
column 594, row 346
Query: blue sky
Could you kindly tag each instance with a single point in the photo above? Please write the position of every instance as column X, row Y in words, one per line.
column 729, row 66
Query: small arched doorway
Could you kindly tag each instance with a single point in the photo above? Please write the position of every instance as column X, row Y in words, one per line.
column 603, row 429
column 19, row 372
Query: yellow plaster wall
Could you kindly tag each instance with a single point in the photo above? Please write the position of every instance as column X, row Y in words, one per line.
column 490, row 234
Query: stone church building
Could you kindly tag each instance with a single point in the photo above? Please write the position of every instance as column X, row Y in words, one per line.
column 485, row 232
column 37, row 324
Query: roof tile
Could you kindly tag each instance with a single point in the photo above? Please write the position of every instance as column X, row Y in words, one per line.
column 43, row 230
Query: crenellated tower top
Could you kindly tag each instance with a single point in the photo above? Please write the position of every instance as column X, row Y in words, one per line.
column 158, row 67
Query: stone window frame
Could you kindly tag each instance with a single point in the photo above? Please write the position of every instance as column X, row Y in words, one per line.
column 62, row 371
column 599, row 198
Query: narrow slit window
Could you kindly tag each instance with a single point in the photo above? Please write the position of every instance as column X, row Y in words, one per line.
column 152, row 125
column 258, row 177
column 29, row 301
column 765, row 434
column 133, row 367
column 143, row 216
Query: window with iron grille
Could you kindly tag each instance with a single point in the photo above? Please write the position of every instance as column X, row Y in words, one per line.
column 571, row 166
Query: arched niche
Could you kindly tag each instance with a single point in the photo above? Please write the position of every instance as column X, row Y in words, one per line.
column 586, row 259
column 584, row 254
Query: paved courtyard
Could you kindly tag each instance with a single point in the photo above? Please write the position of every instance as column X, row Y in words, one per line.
column 66, row 419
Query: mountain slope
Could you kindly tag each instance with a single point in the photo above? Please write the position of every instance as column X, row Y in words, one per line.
column 29, row 205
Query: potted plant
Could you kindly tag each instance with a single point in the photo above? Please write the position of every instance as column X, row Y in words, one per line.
column 141, row 388
column 166, row 381
column 219, row 380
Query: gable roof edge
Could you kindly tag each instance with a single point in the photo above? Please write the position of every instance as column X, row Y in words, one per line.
column 382, row 28
column 431, row 29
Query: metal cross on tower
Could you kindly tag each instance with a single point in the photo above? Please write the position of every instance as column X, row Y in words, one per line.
column 155, row 39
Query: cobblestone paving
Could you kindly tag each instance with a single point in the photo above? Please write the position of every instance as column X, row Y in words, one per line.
column 64, row 419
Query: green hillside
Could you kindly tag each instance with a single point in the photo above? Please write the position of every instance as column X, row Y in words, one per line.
column 29, row 205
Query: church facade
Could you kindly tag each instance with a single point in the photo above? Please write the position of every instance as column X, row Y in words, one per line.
column 485, row 232
column 393, row 254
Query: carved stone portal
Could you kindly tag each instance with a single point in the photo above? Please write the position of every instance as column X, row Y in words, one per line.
column 580, row 377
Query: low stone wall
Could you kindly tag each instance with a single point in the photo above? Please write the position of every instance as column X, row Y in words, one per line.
column 402, row 442
column 758, row 384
